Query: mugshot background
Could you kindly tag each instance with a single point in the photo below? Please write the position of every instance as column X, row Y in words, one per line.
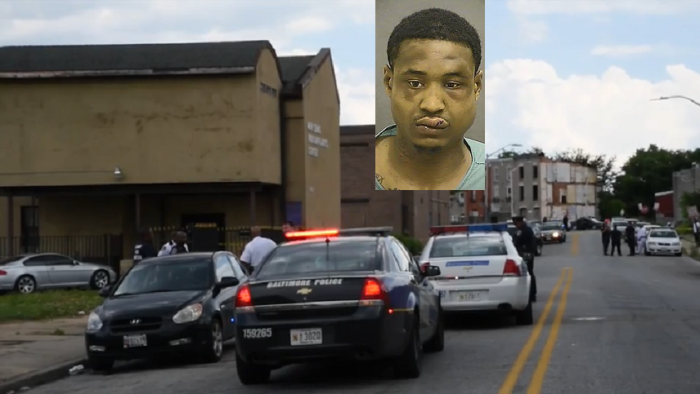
column 389, row 14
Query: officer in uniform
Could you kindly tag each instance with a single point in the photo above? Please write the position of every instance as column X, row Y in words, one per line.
column 525, row 243
column 144, row 249
column 177, row 245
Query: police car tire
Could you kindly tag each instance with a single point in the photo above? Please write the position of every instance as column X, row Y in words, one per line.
column 250, row 374
column 525, row 317
column 408, row 365
column 437, row 342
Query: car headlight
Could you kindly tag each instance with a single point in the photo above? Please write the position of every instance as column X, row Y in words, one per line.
column 188, row 314
column 94, row 322
column 555, row 234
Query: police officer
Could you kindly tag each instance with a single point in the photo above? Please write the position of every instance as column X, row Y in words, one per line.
column 525, row 243
column 144, row 249
column 616, row 240
column 177, row 245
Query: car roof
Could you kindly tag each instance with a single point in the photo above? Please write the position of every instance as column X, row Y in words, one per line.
column 471, row 235
column 180, row 258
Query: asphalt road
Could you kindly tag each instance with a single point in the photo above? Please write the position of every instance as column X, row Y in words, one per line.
column 616, row 325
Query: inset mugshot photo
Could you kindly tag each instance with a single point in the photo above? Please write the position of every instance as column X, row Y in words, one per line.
column 430, row 95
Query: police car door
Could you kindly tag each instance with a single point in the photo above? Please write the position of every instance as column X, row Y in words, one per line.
column 404, row 259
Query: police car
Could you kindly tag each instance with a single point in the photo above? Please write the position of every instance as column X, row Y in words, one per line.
column 351, row 293
column 480, row 270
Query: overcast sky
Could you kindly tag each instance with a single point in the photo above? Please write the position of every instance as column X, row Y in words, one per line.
column 580, row 74
column 298, row 27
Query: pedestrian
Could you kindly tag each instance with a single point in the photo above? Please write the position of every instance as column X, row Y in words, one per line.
column 525, row 243
column 177, row 245
column 566, row 221
column 616, row 241
column 256, row 250
column 605, row 232
column 631, row 238
column 144, row 249
column 641, row 239
column 696, row 230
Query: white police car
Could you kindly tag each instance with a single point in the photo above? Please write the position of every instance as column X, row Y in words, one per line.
column 480, row 270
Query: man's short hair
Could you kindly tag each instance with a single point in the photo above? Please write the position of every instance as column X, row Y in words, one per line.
column 434, row 24
column 518, row 219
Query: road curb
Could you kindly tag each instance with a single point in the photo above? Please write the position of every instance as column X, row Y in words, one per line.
column 42, row 376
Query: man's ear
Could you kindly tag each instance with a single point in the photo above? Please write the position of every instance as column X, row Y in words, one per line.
column 388, row 80
column 478, row 83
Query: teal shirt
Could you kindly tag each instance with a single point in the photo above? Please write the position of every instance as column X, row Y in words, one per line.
column 474, row 179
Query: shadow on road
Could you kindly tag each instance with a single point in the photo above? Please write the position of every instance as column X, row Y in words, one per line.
column 477, row 321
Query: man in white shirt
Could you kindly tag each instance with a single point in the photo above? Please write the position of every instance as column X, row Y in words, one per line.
column 177, row 245
column 256, row 250
column 641, row 239
column 696, row 230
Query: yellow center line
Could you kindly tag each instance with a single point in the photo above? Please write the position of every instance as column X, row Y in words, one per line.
column 574, row 245
column 512, row 377
column 541, row 370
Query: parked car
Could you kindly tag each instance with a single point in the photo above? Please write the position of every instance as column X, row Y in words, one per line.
column 587, row 223
column 179, row 304
column 663, row 241
column 30, row 272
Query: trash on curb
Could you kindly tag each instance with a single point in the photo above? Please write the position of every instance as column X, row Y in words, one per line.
column 76, row 370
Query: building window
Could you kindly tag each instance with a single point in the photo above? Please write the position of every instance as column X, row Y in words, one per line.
column 522, row 192
column 535, row 193
column 522, row 172
column 563, row 198
column 535, row 171
column 472, row 198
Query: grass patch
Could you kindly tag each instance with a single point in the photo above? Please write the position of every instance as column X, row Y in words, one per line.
column 47, row 304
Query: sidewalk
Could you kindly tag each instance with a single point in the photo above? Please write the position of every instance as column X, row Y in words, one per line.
column 33, row 353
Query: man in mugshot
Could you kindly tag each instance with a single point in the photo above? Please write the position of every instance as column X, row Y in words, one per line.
column 433, row 82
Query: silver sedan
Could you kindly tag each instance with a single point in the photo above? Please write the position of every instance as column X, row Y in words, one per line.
column 30, row 272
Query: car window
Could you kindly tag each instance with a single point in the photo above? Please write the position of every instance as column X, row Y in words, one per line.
column 37, row 261
column 400, row 256
column 321, row 257
column 236, row 267
column 57, row 259
column 190, row 275
column 468, row 246
column 663, row 234
column 224, row 268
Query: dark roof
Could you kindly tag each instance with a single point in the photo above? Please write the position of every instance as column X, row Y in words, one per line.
column 165, row 57
column 293, row 67
column 357, row 130
column 297, row 71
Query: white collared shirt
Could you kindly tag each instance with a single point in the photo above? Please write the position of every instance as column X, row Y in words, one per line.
column 257, row 249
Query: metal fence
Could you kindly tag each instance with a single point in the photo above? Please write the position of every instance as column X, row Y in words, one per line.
column 103, row 249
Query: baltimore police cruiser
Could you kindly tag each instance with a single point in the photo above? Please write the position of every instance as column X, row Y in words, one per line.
column 351, row 293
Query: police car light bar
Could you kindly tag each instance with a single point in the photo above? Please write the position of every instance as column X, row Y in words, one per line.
column 312, row 233
column 472, row 228
column 369, row 231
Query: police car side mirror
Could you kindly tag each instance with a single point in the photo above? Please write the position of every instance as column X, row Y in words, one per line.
column 228, row 281
column 104, row 292
column 432, row 271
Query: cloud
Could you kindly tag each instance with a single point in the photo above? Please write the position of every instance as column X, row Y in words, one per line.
column 529, row 103
column 569, row 7
column 532, row 30
column 357, row 95
column 620, row 50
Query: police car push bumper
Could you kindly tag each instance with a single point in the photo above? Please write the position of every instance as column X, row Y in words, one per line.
column 355, row 328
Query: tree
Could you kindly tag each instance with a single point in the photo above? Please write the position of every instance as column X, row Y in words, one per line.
column 513, row 154
column 650, row 171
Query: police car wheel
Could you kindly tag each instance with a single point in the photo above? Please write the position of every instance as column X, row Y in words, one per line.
column 437, row 342
column 249, row 373
column 408, row 365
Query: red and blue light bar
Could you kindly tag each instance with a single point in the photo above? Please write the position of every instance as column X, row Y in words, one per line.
column 471, row 228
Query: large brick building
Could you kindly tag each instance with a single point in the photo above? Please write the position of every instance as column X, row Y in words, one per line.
column 108, row 138
column 409, row 212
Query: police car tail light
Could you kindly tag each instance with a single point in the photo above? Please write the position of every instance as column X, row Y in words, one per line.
column 3, row 273
column 312, row 233
column 511, row 268
column 373, row 293
column 243, row 298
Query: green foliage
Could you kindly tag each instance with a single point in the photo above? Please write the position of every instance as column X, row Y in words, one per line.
column 47, row 304
column 689, row 200
column 413, row 245
column 684, row 230
column 609, row 205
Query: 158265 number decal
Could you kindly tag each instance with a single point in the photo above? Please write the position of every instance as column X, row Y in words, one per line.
column 254, row 333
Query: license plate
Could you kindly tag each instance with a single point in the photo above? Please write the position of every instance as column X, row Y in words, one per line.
column 307, row 336
column 467, row 296
column 135, row 341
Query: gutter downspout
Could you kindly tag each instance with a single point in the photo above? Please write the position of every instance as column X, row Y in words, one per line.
column 283, row 160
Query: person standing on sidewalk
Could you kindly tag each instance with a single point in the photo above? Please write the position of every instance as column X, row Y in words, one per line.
column 256, row 250
column 605, row 232
column 696, row 230
column 631, row 238
column 144, row 249
column 177, row 245
column 616, row 240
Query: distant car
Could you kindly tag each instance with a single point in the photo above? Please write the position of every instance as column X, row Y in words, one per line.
column 30, row 272
column 553, row 232
column 481, row 270
column 663, row 241
column 339, row 293
column 587, row 223
column 179, row 304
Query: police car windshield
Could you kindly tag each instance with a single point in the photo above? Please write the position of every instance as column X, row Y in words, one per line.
column 468, row 246
column 549, row 227
column 663, row 234
column 167, row 276
column 319, row 257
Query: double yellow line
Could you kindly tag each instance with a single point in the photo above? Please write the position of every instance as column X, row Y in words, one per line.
column 537, row 380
